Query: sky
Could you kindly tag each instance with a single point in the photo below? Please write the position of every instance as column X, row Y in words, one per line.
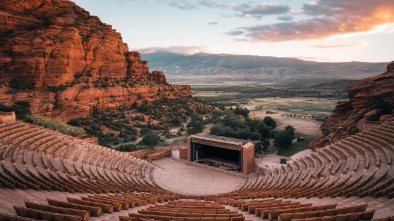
column 321, row 30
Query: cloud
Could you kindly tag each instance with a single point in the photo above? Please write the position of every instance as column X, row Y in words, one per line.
column 241, row 6
column 175, row 49
column 248, row 11
column 324, row 19
column 353, row 44
column 285, row 18
column 213, row 23
column 211, row 4
column 184, row 5
column 235, row 33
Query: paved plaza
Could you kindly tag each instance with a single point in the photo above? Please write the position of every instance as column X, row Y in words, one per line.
column 187, row 179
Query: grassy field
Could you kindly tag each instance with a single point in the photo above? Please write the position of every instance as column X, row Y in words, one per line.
column 297, row 146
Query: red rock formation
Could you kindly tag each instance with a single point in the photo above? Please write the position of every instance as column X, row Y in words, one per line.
column 371, row 101
column 46, row 42
column 52, row 43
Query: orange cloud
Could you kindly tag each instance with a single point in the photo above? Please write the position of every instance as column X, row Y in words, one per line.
column 325, row 18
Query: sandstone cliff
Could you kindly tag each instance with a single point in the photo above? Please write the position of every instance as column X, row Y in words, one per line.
column 52, row 44
column 371, row 102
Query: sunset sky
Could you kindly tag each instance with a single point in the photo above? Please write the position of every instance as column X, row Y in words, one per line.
column 324, row 30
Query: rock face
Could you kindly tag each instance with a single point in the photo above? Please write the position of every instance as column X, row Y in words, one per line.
column 55, row 43
column 371, row 101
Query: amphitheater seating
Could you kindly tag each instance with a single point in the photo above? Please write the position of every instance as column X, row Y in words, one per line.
column 93, row 210
column 107, row 208
column 320, row 213
column 7, row 217
column 37, row 158
column 45, row 215
column 356, row 216
column 274, row 214
column 84, row 214
column 187, row 211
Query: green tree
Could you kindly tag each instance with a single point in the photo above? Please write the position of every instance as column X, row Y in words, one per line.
column 151, row 139
column 283, row 139
column 270, row 122
column 144, row 131
column 176, row 121
column 241, row 111
column 196, row 125
column 290, row 129
column 265, row 131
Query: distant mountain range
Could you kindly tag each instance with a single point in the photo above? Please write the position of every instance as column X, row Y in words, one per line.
column 224, row 69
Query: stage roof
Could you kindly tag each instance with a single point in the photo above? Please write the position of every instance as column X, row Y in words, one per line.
column 218, row 141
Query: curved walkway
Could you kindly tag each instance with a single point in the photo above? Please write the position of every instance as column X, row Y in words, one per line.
column 186, row 179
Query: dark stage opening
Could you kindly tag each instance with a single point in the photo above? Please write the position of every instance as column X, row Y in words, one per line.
column 218, row 157
column 232, row 156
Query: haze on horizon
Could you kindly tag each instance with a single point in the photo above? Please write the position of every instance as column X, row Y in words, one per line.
column 324, row 30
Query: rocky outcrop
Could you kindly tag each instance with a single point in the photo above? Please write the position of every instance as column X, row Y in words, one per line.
column 371, row 102
column 47, row 42
column 56, row 45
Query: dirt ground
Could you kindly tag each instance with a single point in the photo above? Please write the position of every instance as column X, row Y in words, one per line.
column 279, row 107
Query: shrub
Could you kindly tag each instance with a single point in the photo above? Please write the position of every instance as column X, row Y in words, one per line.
column 57, row 89
column 18, row 85
column 151, row 139
column 270, row 122
column 145, row 131
column 55, row 125
column 176, row 121
column 283, row 139
column 241, row 111
column 195, row 127
column 127, row 147
column 290, row 129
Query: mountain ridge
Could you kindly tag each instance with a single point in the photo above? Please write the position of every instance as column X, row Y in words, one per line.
column 260, row 69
